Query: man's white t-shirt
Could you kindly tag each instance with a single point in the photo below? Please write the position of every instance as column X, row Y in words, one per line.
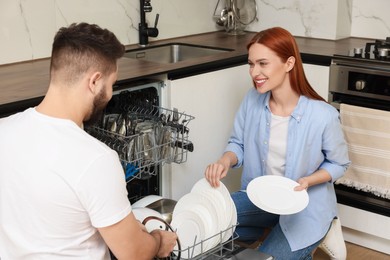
column 57, row 185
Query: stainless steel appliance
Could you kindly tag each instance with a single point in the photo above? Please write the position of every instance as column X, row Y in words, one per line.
column 361, row 77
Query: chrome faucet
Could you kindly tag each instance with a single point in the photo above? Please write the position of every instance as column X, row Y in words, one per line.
column 144, row 31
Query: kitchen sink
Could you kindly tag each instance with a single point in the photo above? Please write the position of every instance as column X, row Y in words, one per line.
column 173, row 52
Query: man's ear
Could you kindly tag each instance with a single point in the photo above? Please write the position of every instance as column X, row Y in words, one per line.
column 290, row 63
column 93, row 82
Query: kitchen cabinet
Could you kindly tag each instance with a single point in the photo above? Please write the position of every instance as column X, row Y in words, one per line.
column 318, row 77
column 213, row 99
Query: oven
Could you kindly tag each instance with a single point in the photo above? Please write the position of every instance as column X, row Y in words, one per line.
column 365, row 84
column 360, row 84
column 360, row 79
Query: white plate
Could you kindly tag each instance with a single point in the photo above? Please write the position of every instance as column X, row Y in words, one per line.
column 210, row 239
column 229, row 232
column 227, row 214
column 276, row 194
column 190, row 200
column 219, row 197
column 191, row 230
column 203, row 184
column 218, row 202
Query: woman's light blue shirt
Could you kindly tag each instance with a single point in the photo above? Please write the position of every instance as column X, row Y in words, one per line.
column 315, row 140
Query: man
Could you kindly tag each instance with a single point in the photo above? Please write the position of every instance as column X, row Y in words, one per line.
column 62, row 192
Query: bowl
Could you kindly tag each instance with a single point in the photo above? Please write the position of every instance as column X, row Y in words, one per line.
column 164, row 207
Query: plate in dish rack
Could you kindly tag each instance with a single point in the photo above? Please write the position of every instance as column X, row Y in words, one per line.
column 190, row 201
column 275, row 194
column 217, row 197
column 191, row 230
column 223, row 202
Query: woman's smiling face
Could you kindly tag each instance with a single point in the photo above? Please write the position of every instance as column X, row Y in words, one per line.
column 267, row 70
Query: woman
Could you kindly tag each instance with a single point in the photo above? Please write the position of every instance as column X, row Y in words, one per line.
column 283, row 127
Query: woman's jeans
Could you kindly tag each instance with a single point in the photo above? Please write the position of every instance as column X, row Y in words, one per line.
column 252, row 222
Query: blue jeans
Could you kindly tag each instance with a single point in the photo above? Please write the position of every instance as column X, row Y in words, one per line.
column 252, row 222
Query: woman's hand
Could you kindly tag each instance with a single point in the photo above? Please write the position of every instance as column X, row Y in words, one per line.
column 303, row 184
column 218, row 170
column 317, row 177
column 214, row 172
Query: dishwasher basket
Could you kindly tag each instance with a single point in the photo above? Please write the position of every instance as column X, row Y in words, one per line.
column 222, row 250
column 144, row 138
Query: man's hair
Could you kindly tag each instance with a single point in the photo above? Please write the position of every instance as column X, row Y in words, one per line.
column 80, row 47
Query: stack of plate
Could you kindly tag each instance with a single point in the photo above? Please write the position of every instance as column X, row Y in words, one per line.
column 204, row 218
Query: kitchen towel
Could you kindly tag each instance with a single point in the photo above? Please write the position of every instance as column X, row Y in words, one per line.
column 367, row 132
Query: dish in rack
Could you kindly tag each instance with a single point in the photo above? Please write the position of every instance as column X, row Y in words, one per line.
column 204, row 218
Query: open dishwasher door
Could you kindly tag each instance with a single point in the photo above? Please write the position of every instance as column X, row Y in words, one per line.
column 249, row 254
column 239, row 253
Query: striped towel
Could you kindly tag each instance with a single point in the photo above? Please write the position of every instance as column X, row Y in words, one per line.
column 367, row 132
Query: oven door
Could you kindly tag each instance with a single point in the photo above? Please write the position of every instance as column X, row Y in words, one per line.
column 358, row 85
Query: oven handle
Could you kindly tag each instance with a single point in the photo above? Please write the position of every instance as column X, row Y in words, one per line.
column 336, row 99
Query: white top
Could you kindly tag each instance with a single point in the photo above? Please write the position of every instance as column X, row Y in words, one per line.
column 276, row 161
column 57, row 185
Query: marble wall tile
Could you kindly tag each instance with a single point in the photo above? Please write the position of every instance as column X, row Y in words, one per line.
column 326, row 19
column 344, row 19
column 371, row 19
column 27, row 29
column 300, row 17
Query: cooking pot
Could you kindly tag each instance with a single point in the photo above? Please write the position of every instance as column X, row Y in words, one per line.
column 145, row 201
column 165, row 207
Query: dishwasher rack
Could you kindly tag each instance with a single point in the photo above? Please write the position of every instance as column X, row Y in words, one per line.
column 144, row 138
column 222, row 250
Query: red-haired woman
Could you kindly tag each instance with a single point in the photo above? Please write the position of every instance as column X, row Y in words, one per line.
column 283, row 127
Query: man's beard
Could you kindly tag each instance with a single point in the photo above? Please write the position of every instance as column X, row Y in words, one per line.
column 98, row 106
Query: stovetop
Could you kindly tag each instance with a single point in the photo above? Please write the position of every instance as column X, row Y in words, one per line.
column 377, row 51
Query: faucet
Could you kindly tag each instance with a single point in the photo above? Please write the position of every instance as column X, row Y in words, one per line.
column 144, row 31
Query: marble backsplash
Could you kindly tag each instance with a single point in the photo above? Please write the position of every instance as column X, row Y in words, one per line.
column 27, row 28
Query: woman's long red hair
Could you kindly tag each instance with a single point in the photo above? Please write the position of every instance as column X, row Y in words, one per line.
column 284, row 45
